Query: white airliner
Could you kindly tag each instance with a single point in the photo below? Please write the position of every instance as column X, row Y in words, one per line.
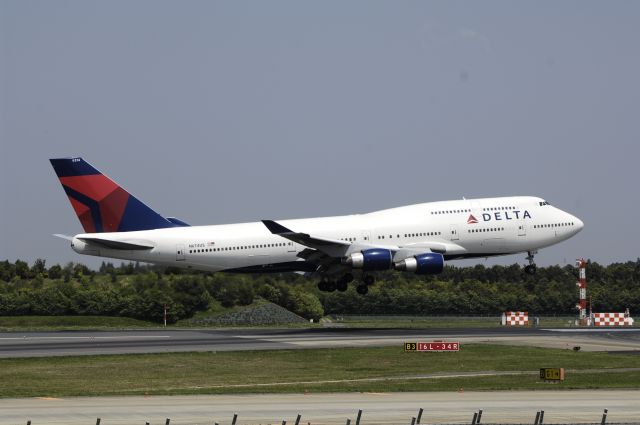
column 415, row 239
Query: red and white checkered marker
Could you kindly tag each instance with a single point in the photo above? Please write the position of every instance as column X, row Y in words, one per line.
column 612, row 319
column 515, row 318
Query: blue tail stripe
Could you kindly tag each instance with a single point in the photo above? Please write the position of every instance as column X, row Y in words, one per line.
column 138, row 216
column 68, row 167
column 94, row 207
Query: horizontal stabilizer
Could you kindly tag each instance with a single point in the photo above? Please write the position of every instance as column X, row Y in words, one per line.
column 67, row 237
column 111, row 244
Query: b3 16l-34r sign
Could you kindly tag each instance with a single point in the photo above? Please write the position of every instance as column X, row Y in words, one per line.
column 432, row 346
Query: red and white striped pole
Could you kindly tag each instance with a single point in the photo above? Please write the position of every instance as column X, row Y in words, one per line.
column 165, row 316
column 582, row 286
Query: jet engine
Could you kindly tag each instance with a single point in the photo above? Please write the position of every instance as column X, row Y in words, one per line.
column 370, row 259
column 428, row 263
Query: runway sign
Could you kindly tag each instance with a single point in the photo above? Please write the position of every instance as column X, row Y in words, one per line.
column 432, row 346
column 552, row 374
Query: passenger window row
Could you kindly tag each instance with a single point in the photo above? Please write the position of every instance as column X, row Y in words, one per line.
column 412, row 235
column 541, row 226
column 499, row 208
column 238, row 248
column 468, row 210
column 488, row 229
column 450, row 211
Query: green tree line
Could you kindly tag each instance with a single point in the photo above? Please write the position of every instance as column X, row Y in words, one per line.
column 140, row 291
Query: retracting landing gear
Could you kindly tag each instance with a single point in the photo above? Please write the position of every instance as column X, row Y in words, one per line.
column 367, row 280
column 343, row 283
column 362, row 289
column 531, row 268
column 326, row 285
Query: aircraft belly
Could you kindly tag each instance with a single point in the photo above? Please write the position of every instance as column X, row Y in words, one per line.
column 494, row 245
column 236, row 262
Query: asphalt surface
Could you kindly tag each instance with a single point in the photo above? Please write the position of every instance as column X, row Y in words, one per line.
column 33, row 344
column 378, row 408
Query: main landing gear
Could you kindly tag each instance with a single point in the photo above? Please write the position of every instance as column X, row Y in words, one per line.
column 326, row 285
column 531, row 268
column 367, row 281
column 341, row 284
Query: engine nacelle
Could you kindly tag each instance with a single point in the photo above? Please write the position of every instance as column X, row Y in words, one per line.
column 428, row 263
column 370, row 259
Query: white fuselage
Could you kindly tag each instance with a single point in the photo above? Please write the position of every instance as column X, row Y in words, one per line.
column 502, row 226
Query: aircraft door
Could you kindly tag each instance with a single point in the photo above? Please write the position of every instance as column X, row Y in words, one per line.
column 180, row 253
column 453, row 232
column 522, row 228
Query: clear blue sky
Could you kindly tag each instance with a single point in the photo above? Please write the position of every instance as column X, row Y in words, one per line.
column 234, row 111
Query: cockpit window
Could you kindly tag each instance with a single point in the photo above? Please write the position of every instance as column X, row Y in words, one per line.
column 543, row 203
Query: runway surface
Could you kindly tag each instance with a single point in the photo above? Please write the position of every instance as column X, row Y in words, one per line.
column 32, row 344
column 378, row 408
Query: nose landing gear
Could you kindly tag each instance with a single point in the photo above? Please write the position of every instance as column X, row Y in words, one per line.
column 531, row 268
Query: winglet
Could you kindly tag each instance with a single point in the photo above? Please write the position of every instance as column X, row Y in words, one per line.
column 276, row 228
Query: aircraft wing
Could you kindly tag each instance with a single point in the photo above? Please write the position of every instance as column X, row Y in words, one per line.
column 337, row 248
column 304, row 238
column 327, row 253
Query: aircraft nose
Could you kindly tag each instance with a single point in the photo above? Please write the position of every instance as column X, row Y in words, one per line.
column 578, row 223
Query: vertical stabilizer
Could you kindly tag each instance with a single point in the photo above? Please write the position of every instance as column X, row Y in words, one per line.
column 101, row 204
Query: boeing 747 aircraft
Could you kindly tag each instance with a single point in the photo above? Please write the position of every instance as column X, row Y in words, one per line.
column 414, row 239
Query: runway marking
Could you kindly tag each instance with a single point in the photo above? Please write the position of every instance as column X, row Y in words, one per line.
column 49, row 398
column 584, row 330
column 32, row 338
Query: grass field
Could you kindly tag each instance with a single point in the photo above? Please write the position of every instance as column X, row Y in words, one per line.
column 426, row 322
column 51, row 323
column 309, row 370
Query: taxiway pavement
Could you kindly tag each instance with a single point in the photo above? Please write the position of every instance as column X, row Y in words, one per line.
column 331, row 408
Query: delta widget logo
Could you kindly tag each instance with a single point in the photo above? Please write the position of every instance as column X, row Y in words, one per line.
column 500, row 215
